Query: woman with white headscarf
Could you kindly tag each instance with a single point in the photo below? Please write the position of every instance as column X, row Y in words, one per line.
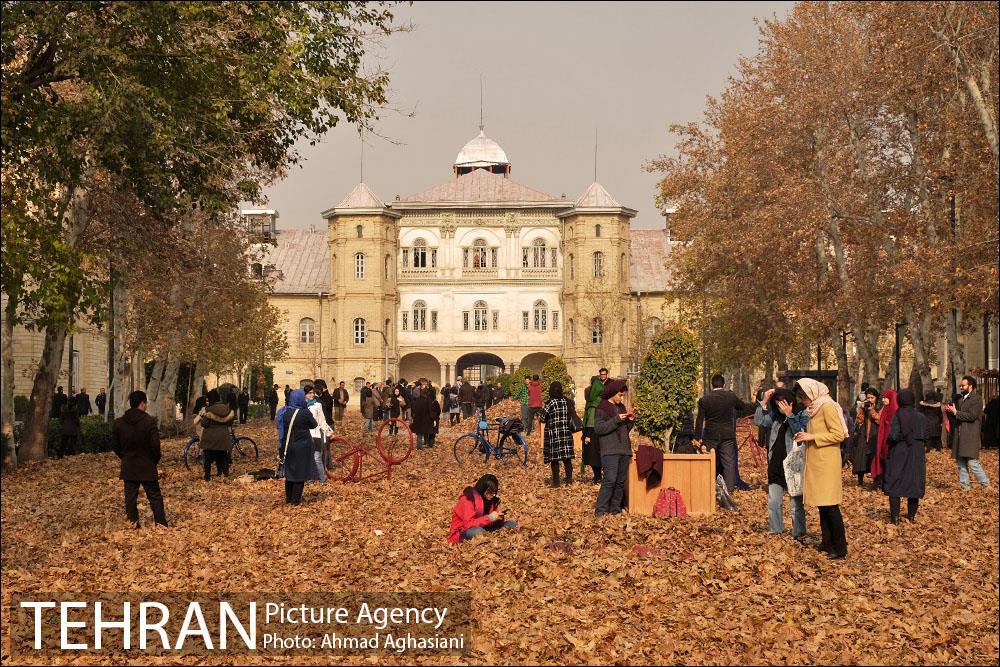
column 822, row 484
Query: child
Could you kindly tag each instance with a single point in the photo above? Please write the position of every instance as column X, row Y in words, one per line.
column 476, row 511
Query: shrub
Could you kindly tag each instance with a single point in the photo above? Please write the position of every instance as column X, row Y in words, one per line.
column 665, row 389
column 258, row 410
column 95, row 435
column 555, row 370
column 504, row 379
column 21, row 407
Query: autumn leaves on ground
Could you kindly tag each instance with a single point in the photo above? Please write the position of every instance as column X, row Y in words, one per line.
column 563, row 588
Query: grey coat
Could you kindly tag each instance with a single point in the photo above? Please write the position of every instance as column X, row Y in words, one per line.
column 970, row 424
column 612, row 433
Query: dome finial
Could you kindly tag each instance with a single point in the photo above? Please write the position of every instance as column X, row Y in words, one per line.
column 482, row 124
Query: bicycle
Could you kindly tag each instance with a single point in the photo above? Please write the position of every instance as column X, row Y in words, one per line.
column 244, row 448
column 509, row 445
column 759, row 453
column 343, row 460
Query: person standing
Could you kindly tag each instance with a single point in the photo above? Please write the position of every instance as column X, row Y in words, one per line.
column 216, row 442
column 522, row 397
column 591, row 449
column 233, row 400
column 423, row 422
column 467, row 397
column 435, row 415
column 716, row 427
column 59, row 400
column 325, row 398
column 135, row 439
column 906, row 466
column 69, row 425
column 866, row 434
column 340, row 398
column 822, row 485
column 396, row 405
column 288, row 393
column 497, row 393
column 366, row 393
column 775, row 414
column 968, row 413
column 321, row 433
column 612, row 423
column 889, row 408
column 535, row 404
column 368, row 409
column 244, row 403
column 930, row 408
column 272, row 400
column 557, row 445
column 101, row 400
column 454, row 405
column 295, row 446
column 83, row 403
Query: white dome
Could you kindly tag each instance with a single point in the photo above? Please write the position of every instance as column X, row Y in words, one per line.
column 481, row 152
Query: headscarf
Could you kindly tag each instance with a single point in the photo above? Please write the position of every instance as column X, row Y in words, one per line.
column 907, row 415
column 296, row 401
column 884, row 425
column 610, row 389
column 819, row 395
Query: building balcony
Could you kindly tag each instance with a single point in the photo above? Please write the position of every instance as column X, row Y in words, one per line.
column 418, row 273
column 540, row 273
column 481, row 273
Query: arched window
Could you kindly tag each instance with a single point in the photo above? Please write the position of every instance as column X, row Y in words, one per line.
column 596, row 331
column 541, row 312
column 597, row 231
column 622, row 334
column 479, row 256
column 258, row 270
column 360, row 229
column 598, row 264
column 623, row 268
column 360, row 332
column 572, row 267
column 653, row 325
column 307, row 330
column 419, row 316
column 479, row 313
column 388, row 264
column 359, row 266
column 572, row 332
column 420, row 254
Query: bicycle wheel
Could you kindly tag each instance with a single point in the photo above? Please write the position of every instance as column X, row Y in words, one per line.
column 341, row 459
column 192, row 453
column 394, row 448
column 467, row 448
column 246, row 448
column 512, row 447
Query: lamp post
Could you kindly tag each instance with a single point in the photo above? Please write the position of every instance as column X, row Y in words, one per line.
column 111, row 343
column 385, row 346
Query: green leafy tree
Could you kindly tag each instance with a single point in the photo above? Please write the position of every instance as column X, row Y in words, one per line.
column 555, row 370
column 665, row 388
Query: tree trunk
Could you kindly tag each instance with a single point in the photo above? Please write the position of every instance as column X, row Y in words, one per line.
column 198, row 378
column 956, row 351
column 153, row 386
column 919, row 337
column 34, row 440
column 845, row 383
column 7, row 390
column 890, row 372
column 123, row 380
column 782, row 361
column 168, row 393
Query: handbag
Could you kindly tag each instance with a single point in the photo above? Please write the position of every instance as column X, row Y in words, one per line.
column 794, row 464
column 280, row 473
column 575, row 423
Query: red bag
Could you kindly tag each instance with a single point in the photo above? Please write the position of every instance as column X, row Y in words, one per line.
column 669, row 503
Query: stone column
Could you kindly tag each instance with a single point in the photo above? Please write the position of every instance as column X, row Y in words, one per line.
column 444, row 375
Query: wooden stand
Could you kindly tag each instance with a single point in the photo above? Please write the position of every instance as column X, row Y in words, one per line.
column 691, row 474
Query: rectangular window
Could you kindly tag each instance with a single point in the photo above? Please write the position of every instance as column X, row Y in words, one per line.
column 406, row 258
column 434, row 258
column 493, row 257
column 524, row 320
column 406, row 320
column 481, row 319
column 419, row 320
column 496, row 320
column 465, row 258
column 555, row 255
column 420, row 257
column 434, row 320
column 555, row 320
column 545, row 317
column 538, row 319
column 524, row 258
column 465, row 320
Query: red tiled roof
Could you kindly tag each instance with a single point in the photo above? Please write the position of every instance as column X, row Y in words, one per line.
column 480, row 185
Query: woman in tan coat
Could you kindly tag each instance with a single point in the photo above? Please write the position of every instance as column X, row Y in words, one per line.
column 821, row 480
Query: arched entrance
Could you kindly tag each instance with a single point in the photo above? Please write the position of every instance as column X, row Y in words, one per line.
column 477, row 366
column 419, row 365
column 536, row 360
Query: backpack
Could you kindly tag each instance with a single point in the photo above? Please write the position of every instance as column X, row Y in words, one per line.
column 669, row 503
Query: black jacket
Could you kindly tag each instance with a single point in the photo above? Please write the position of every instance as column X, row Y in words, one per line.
column 83, row 404
column 136, row 440
column 716, row 415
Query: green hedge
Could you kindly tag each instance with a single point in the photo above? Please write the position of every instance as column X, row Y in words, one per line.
column 664, row 392
column 554, row 370
column 95, row 435
column 258, row 410
column 21, row 407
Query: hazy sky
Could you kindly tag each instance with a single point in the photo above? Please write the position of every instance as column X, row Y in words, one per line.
column 553, row 73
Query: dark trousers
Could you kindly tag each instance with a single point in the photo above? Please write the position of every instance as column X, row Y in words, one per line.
column 243, row 414
column 221, row 460
column 911, row 507
column 831, row 523
column 68, row 446
column 567, row 465
column 293, row 492
column 609, row 498
column 153, row 495
column 274, row 408
column 934, row 442
column 725, row 457
column 466, row 410
column 454, row 418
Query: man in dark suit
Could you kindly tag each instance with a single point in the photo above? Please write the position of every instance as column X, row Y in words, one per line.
column 83, row 405
column 59, row 401
column 244, row 403
column 272, row 400
column 716, row 428
column 136, row 440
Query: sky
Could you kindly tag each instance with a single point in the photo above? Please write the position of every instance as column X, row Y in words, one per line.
column 553, row 73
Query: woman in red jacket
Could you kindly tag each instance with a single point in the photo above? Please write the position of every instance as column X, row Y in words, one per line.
column 476, row 511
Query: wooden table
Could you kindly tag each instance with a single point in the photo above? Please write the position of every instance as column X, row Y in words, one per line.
column 691, row 474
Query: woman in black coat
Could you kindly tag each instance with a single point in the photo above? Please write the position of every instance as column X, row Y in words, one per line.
column 905, row 466
column 423, row 421
column 296, row 446
column 866, row 434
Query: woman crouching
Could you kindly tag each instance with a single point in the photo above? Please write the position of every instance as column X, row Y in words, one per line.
column 477, row 511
